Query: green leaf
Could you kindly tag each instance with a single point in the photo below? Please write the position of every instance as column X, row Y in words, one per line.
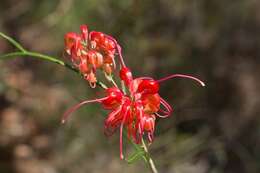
column 13, row 42
column 138, row 154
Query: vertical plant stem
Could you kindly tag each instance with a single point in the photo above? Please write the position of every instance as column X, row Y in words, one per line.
column 112, row 80
column 149, row 159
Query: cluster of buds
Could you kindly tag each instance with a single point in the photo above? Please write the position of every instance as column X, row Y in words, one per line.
column 90, row 51
column 136, row 111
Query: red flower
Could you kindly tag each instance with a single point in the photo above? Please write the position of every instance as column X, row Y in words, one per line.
column 136, row 111
column 91, row 51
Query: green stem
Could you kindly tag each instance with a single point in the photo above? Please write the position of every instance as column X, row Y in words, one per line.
column 102, row 85
column 39, row 56
column 47, row 58
column 113, row 82
column 23, row 52
column 110, row 79
column 149, row 159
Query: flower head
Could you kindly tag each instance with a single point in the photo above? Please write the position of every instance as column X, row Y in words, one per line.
column 90, row 51
column 137, row 111
column 147, row 104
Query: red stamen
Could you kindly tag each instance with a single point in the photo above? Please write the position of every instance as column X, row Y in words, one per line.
column 67, row 114
column 181, row 76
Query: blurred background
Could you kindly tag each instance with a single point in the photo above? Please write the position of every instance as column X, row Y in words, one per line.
column 213, row 130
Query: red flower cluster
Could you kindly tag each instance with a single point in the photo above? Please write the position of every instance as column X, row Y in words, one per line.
column 90, row 51
column 136, row 111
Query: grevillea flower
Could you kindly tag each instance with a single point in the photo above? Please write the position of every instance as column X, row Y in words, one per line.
column 90, row 51
column 147, row 103
column 136, row 111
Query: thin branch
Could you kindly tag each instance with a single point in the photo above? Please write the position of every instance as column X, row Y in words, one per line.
column 38, row 56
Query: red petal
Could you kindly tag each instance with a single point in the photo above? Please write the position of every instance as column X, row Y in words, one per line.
column 84, row 32
column 147, row 86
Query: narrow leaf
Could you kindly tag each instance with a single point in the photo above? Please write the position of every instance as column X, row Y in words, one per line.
column 135, row 156
column 13, row 42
